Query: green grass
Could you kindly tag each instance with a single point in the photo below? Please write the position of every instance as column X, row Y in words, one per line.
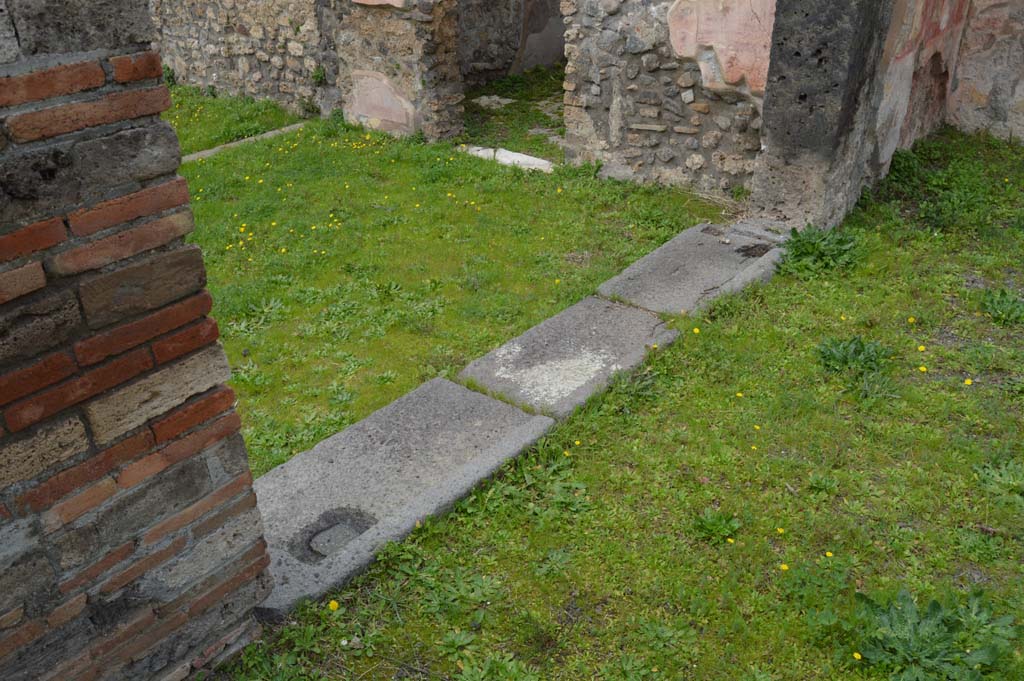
column 510, row 127
column 348, row 267
column 733, row 511
column 204, row 122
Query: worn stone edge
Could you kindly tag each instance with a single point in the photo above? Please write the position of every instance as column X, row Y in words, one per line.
column 207, row 153
column 462, row 481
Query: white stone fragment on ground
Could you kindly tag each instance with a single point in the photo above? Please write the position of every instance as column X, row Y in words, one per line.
column 511, row 158
column 493, row 102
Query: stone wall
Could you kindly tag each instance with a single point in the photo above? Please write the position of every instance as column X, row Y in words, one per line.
column 661, row 90
column 261, row 48
column 988, row 84
column 395, row 68
column 388, row 64
column 498, row 38
column 130, row 545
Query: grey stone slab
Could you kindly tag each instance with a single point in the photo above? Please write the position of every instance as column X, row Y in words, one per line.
column 555, row 366
column 231, row 145
column 375, row 480
column 697, row 266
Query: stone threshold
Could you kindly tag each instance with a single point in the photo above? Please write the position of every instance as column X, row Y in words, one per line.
column 207, row 153
column 328, row 511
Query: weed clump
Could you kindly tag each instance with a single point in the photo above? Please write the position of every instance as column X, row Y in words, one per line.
column 716, row 526
column 865, row 364
column 940, row 642
column 814, row 251
column 1004, row 307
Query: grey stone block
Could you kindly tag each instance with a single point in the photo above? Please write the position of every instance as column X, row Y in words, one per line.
column 46, row 181
column 374, row 481
column 556, row 366
column 54, row 26
column 697, row 266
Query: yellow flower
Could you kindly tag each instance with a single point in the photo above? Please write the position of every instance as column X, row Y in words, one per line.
column 783, row 567
column 558, row 281
column 923, row 369
column 911, row 320
column 654, row 346
column 566, row 453
column 828, row 554
column 754, row 447
column 578, row 443
column 731, row 540
column 333, row 606
column 780, row 530
column 696, row 330
column 739, row 394
column 857, row 656
column 968, row 381
column 757, row 427
column 920, row 348
column 284, row 250
column 842, row 317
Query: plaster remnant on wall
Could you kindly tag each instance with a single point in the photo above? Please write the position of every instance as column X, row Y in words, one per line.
column 376, row 103
column 988, row 83
column 730, row 39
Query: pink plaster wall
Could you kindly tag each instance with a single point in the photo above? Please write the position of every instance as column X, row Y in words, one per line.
column 920, row 57
column 989, row 82
column 731, row 39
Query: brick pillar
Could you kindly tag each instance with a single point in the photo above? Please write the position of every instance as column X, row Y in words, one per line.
column 130, row 545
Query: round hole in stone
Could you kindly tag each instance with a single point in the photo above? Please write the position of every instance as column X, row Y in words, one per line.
column 329, row 534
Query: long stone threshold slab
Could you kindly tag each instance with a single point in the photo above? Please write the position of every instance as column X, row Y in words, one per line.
column 329, row 510
column 699, row 265
column 560, row 363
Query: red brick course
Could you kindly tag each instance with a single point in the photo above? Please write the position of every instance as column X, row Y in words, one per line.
column 21, row 281
column 42, row 373
column 185, row 341
column 21, row 636
column 45, row 495
column 199, row 509
column 140, row 66
column 148, row 201
column 54, row 82
column 218, row 520
column 138, row 623
column 88, row 575
column 102, row 252
column 143, row 566
column 117, row 340
column 78, row 505
column 179, row 450
column 194, row 413
column 112, row 108
column 67, row 611
column 23, row 414
column 215, row 595
column 31, row 239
